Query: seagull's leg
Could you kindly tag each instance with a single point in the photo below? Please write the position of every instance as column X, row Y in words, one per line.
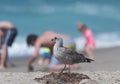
column 63, row 69
column 69, row 69
column 69, row 72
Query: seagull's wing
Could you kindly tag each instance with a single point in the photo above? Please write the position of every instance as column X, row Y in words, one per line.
column 73, row 56
column 67, row 51
column 70, row 53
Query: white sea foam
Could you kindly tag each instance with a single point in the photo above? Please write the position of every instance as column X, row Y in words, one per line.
column 102, row 40
column 20, row 48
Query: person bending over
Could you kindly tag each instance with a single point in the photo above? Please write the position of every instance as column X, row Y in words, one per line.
column 8, row 33
column 44, row 40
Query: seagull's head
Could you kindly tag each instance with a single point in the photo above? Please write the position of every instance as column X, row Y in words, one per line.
column 57, row 40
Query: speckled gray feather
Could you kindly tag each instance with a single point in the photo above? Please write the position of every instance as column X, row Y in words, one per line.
column 67, row 56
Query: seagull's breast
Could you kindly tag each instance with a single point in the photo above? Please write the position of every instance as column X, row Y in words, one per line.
column 62, row 56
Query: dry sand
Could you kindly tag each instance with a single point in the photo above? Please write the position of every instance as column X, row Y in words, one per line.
column 99, row 77
column 104, row 70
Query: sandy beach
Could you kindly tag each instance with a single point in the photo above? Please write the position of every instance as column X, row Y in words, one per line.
column 104, row 70
column 97, row 77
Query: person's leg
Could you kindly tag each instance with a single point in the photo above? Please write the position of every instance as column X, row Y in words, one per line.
column 45, row 55
column 46, row 61
column 57, row 66
column 4, row 57
column 53, row 66
column 0, row 58
column 8, row 40
column 88, row 51
column 41, row 61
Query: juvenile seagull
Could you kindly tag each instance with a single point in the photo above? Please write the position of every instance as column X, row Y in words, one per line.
column 67, row 56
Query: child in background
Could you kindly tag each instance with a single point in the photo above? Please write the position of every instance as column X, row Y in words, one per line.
column 90, row 41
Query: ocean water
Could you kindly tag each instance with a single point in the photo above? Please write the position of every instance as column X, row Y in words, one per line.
column 38, row 16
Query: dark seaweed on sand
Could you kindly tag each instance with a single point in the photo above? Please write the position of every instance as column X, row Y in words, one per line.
column 63, row 78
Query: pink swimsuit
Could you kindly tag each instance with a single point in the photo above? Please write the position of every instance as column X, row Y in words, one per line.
column 89, row 38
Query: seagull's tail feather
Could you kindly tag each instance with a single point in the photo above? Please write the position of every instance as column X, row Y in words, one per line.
column 82, row 60
column 88, row 60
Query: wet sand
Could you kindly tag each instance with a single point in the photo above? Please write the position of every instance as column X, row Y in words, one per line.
column 106, row 59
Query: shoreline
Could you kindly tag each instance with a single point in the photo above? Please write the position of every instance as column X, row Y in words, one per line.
column 96, row 49
column 106, row 59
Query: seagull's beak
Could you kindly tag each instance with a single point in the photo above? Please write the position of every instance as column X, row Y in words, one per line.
column 54, row 39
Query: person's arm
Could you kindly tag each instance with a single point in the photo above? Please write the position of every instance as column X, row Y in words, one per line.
column 1, row 34
column 34, row 56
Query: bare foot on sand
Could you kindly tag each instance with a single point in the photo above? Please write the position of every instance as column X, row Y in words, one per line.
column 2, row 67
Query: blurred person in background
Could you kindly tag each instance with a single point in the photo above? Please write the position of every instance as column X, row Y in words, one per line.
column 8, row 33
column 44, row 40
column 90, row 41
